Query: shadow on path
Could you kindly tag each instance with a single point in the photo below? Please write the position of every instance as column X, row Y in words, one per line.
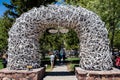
column 62, row 73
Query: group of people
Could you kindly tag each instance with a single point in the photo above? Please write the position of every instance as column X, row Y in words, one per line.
column 60, row 55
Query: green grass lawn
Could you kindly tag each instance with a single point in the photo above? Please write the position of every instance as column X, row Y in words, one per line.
column 71, row 66
column 72, row 59
column 1, row 66
column 72, row 63
column 47, row 58
column 48, row 69
column 46, row 61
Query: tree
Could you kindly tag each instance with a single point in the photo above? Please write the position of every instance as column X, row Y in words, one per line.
column 110, row 13
column 71, row 39
column 117, row 42
column 51, row 41
column 5, row 24
column 17, row 7
column 117, row 39
column 108, row 10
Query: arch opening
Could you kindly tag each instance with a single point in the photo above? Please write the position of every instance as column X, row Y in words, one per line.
column 23, row 42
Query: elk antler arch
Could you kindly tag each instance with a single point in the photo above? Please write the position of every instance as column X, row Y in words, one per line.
column 23, row 42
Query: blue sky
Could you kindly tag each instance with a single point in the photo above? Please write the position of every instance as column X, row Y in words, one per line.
column 2, row 7
column 60, row 2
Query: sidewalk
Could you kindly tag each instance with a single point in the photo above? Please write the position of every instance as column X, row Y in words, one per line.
column 60, row 73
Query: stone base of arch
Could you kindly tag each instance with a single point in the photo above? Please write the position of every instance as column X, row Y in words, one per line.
column 97, row 75
column 35, row 74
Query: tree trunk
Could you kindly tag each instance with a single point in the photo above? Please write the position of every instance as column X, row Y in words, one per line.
column 112, row 37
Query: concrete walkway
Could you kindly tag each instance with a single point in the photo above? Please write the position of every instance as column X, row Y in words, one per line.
column 60, row 73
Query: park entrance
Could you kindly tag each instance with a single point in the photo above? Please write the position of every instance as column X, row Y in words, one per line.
column 23, row 42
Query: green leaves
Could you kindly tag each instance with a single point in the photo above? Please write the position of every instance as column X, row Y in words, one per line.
column 51, row 41
column 17, row 7
column 117, row 39
column 5, row 24
column 71, row 39
column 108, row 10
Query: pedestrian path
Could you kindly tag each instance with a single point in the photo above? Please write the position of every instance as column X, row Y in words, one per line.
column 60, row 73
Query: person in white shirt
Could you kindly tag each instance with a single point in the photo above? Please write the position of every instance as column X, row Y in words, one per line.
column 52, row 57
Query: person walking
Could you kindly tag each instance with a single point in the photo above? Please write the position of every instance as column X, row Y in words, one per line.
column 52, row 58
column 59, row 56
column 63, row 54
column 4, row 60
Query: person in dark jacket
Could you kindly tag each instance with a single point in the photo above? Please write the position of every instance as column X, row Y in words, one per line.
column 63, row 54
column 4, row 60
